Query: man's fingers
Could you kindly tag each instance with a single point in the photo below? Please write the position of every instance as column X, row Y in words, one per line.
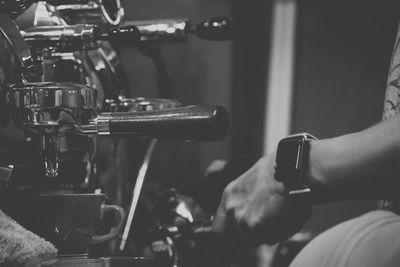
column 220, row 224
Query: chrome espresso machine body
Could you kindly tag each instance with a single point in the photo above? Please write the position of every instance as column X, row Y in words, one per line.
column 80, row 53
column 62, row 86
column 63, row 53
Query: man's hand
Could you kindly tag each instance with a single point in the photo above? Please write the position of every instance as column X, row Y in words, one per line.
column 257, row 208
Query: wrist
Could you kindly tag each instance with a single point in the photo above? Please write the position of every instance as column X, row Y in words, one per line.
column 317, row 174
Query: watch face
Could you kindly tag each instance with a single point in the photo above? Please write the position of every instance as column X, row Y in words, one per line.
column 288, row 158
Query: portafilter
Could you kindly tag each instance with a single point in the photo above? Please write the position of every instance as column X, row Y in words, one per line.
column 54, row 109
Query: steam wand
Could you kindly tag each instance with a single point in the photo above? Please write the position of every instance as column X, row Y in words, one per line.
column 86, row 36
column 136, row 192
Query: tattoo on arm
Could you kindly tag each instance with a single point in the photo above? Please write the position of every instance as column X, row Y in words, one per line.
column 392, row 97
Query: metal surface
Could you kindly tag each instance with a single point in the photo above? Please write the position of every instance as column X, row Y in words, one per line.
column 98, row 239
column 56, row 110
column 77, row 11
column 39, row 14
column 5, row 172
column 147, row 104
column 103, row 123
column 173, row 30
column 92, row 11
column 136, row 192
column 75, row 37
column 61, row 107
column 16, row 66
column 61, row 55
column 65, row 38
column 52, row 110
column 73, row 64
column 53, row 107
column 70, row 106
column 18, row 51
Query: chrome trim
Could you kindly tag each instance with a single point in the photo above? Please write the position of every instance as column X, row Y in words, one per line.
column 18, row 51
column 70, row 38
column 174, row 30
column 299, row 191
column 120, row 13
column 92, row 12
column 60, row 106
column 103, row 123
column 146, row 104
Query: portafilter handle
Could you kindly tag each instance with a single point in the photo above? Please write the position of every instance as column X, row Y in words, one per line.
column 196, row 122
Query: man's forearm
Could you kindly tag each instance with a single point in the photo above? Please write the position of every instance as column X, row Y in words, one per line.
column 363, row 164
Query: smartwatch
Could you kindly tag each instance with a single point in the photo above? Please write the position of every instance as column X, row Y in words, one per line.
column 292, row 159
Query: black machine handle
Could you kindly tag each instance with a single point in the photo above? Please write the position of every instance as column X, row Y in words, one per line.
column 178, row 30
column 197, row 123
column 214, row 29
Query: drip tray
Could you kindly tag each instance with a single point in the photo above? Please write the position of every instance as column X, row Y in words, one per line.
column 103, row 262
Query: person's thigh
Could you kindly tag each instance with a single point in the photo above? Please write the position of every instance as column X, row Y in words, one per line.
column 368, row 241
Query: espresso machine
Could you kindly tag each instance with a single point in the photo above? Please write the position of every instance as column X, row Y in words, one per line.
column 63, row 92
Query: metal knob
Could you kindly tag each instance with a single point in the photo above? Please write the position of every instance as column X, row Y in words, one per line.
column 61, row 38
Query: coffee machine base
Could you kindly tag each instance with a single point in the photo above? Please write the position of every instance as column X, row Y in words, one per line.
column 120, row 261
